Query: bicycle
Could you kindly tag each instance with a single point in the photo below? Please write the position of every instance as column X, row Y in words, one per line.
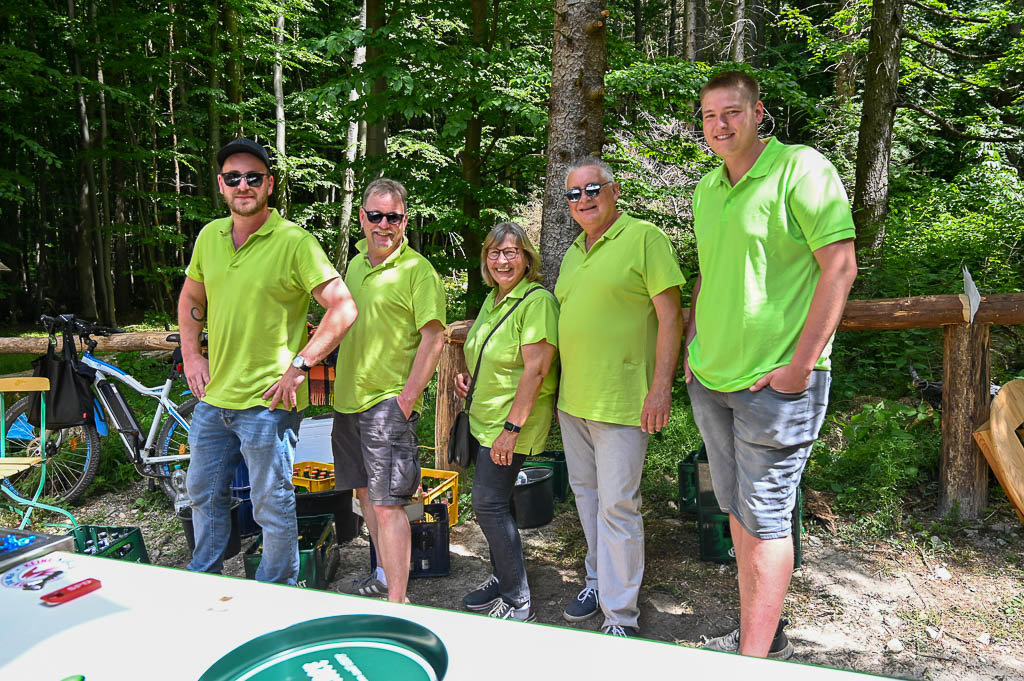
column 74, row 453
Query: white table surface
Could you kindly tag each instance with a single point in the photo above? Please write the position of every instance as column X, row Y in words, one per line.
column 149, row 622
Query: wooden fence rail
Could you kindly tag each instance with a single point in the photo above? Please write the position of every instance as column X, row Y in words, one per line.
column 966, row 375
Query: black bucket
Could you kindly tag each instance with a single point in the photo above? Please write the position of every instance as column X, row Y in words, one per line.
column 533, row 502
column 336, row 502
column 234, row 541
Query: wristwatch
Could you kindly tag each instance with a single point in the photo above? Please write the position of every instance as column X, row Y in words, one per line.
column 512, row 428
column 300, row 363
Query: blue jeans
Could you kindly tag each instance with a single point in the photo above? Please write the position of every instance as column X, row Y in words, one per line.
column 219, row 439
column 492, row 491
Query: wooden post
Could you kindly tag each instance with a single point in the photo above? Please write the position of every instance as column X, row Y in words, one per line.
column 963, row 474
column 453, row 361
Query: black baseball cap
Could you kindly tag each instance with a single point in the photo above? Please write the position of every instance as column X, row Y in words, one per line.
column 243, row 145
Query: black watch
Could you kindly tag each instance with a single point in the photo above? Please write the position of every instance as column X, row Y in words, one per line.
column 299, row 362
column 512, row 428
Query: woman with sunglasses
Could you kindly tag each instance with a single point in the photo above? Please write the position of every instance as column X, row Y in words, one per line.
column 515, row 338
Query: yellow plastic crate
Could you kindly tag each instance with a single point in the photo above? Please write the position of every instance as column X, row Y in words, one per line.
column 310, row 484
column 442, row 487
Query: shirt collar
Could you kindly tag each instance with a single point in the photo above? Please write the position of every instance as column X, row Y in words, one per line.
column 272, row 222
column 363, row 246
column 519, row 290
column 762, row 166
column 613, row 231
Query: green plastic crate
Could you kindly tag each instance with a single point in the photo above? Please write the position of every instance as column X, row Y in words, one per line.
column 127, row 546
column 316, row 537
column 688, row 481
column 713, row 525
column 556, row 462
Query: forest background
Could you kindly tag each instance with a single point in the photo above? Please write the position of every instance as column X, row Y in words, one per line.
column 111, row 112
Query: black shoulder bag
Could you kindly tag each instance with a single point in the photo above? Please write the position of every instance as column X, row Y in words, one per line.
column 69, row 400
column 462, row 446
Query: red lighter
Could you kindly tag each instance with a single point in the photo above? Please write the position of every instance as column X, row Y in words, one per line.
column 71, row 592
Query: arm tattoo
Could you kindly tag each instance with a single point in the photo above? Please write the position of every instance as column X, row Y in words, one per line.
column 198, row 314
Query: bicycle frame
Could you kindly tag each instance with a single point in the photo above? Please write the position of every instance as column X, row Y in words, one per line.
column 142, row 454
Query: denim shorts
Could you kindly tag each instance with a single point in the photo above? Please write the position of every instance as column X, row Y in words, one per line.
column 377, row 449
column 758, row 444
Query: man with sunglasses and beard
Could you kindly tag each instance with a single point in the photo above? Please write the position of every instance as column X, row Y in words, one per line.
column 619, row 329
column 384, row 366
column 249, row 281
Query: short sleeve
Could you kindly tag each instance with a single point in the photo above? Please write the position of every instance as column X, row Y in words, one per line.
column 195, row 265
column 312, row 267
column 539, row 321
column 428, row 301
column 819, row 204
column 661, row 268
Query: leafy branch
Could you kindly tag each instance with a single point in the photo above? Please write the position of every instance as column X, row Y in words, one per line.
column 948, row 127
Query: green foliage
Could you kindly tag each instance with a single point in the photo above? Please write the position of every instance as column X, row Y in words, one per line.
column 891, row 449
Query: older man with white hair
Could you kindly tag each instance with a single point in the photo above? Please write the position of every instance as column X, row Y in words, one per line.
column 620, row 329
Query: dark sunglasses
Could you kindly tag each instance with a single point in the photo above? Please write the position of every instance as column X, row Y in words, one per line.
column 375, row 216
column 591, row 190
column 251, row 179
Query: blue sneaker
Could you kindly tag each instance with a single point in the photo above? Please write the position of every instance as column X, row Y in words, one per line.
column 585, row 605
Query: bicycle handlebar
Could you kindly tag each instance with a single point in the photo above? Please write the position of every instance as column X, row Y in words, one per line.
column 69, row 323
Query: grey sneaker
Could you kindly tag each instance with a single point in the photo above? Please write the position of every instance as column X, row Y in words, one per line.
column 370, row 586
column 583, row 606
column 484, row 597
column 625, row 632
column 781, row 648
column 503, row 610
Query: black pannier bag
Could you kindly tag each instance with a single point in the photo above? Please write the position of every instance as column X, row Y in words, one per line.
column 69, row 401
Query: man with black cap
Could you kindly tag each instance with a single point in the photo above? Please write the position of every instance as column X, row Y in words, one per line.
column 249, row 282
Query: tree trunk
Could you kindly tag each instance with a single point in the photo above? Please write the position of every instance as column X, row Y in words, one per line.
column 638, row 24
column 351, row 153
column 175, row 151
column 673, row 19
column 234, row 69
column 87, row 217
column 376, row 130
column 874, row 144
column 213, row 106
column 846, row 70
column 691, row 30
column 575, row 117
column 738, row 41
column 282, row 187
column 757, row 36
column 470, row 224
column 104, row 235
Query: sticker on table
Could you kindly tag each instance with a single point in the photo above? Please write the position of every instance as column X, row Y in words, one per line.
column 35, row 574
column 346, row 648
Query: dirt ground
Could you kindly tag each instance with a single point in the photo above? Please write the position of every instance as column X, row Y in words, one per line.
column 950, row 608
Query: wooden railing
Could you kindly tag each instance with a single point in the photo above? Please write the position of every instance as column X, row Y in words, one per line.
column 966, row 375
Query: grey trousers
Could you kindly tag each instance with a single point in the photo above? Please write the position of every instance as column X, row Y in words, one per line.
column 606, row 462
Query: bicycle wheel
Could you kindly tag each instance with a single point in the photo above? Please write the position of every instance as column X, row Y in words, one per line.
column 72, row 456
column 173, row 441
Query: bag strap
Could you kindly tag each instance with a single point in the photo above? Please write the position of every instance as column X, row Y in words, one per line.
column 472, row 386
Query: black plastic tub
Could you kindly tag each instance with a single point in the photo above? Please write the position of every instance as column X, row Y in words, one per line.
column 336, row 502
column 533, row 501
column 235, row 539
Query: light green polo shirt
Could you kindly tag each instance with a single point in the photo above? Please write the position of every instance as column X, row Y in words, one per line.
column 257, row 300
column 395, row 300
column 755, row 245
column 607, row 326
column 534, row 320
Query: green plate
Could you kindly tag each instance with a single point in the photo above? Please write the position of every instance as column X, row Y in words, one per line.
column 347, row 647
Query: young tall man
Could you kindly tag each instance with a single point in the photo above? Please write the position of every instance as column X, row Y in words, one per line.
column 775, row 247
